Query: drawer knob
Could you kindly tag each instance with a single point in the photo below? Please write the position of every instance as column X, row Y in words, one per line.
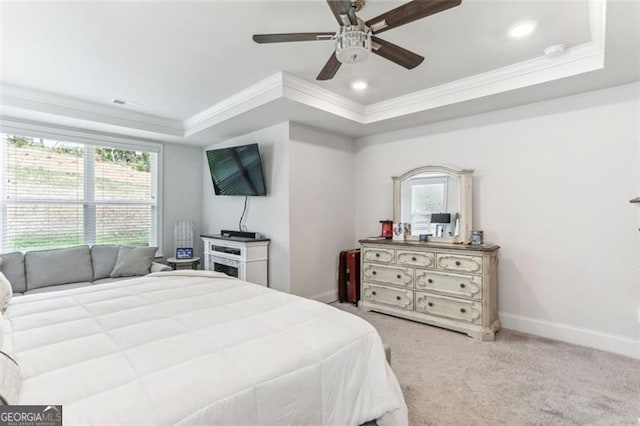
column 373, row 292
column 463, row 310
column 377, row 254
column 373, row 272
column 414, row 258
column 457, row 263
column 430, row 303
column 430, row 281
column 398, row 297
column 462, row 285
column 398, row 276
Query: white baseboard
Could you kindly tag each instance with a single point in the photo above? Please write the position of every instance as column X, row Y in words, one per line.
column 622, row 345
column 326, row 297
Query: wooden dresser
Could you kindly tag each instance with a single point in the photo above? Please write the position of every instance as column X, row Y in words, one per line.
column 452, row 286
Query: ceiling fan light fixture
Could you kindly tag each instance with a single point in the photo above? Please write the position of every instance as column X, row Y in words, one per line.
column 353, row 44
column 522, row 29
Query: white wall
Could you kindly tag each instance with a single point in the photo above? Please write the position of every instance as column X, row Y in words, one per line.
column 182, row 193
column 322, row 208
column 552, row 186
column 268, row 215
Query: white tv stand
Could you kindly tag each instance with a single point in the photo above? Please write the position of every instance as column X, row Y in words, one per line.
column 244, row 258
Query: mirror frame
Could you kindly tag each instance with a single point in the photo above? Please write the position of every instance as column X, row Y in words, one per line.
column 466, row 195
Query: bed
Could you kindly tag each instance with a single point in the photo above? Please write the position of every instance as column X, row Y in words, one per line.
column 189, row 347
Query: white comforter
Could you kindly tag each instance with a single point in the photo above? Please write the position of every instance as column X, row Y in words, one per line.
column 199, row 348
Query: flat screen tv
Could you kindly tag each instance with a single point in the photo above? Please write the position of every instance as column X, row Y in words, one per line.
column 236, row 170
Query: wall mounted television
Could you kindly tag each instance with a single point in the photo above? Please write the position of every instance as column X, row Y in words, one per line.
column 237, row 170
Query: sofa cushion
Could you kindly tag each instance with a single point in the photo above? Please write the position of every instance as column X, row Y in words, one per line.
column 103, row 258
column 133, row 261
column 54, row 267
column 59, row 287
column 12, row 266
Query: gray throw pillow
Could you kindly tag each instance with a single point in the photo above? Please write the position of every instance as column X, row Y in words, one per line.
column 103, row 258
column 58, row 266
column 133, row 261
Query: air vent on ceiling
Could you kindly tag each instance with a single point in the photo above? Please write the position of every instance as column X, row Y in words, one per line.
column 122, row 102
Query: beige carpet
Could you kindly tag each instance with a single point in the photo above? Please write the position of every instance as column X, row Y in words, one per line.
column 449, row 379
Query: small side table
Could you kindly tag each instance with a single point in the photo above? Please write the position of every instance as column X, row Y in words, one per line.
column 180, row 263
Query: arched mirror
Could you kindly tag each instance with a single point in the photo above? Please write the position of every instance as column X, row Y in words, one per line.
column 436, row 201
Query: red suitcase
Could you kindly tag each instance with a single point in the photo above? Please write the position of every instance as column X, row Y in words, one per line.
column 349, row 276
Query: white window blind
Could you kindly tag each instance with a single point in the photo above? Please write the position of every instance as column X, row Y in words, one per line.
column 59, row 194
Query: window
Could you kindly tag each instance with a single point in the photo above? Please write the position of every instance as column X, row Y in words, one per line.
column 58, row 194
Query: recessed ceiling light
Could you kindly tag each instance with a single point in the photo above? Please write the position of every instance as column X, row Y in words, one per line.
column 522, row 29
column 359, row 85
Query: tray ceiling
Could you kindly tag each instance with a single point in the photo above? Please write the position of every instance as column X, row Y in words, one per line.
column 187, row 64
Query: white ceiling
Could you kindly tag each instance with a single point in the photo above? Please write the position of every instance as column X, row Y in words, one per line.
column 177, row 58
column 194, row 62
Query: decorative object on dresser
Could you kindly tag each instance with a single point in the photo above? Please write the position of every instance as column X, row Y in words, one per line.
column 428, row 197
column 477, row 237
column 240, row 257
column 387, row 229
column 452, row 286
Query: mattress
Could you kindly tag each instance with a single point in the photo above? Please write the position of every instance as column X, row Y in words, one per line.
column 188, row 347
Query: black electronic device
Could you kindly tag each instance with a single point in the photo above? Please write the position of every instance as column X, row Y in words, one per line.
column 228, row 250
column 240, row 234
column 237, row 170
column 440, row 217
column 184, row 253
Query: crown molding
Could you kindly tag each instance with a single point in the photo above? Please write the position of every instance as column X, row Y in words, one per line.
column 13, row 99
column 577, row 60
column 302, row 91
column 263, row 92
column 598, row 22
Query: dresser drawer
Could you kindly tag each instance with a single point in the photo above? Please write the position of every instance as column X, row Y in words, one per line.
column 396, row 297
column 378, row 254
column 448, row 307
column 452, row 284
column 460, row 263
column 422, row 259
column 392, row 275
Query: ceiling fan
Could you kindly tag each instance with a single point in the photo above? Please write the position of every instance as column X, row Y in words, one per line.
column 356, row 38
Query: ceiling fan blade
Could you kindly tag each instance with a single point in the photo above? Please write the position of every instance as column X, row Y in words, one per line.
column 397, row 54
column 282, row 38
column 330, row 68
column 409, row 12
column 343, row 8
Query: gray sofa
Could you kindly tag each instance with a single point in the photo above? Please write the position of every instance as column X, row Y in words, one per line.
column 62, row 269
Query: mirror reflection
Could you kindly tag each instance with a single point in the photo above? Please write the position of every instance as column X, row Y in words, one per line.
column 430, row 202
